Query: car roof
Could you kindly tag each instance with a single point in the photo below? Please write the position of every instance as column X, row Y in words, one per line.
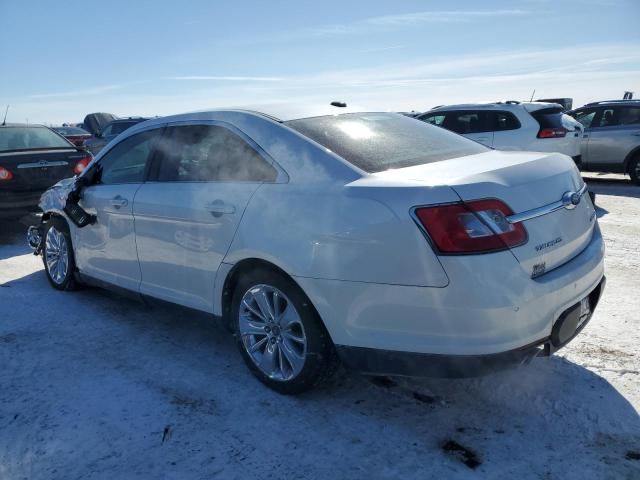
column 34, row 125
column 630, row 102
column 509, row 104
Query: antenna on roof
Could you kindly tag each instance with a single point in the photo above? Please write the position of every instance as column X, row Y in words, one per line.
column 532, row 94
column 4, row 122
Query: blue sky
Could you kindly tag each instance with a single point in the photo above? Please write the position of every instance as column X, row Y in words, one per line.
column 61, row 60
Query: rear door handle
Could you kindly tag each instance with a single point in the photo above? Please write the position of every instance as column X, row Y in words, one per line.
column 118, row 202
column 217, row 208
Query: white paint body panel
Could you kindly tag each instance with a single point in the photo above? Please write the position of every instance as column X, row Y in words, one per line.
column 348, row 239
column 524, row 138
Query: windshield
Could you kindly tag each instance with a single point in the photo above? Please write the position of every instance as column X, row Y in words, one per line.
column 24, row 138
column 375, row 142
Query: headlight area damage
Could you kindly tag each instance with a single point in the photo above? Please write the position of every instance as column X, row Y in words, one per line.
column 61, row 197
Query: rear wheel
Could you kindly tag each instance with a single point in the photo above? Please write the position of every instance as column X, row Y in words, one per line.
column 280, row 336
column 634, row 169
column 57, row 255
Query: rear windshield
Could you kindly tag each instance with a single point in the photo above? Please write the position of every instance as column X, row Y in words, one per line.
column 23, row 138
column 375, row 142
column 71, row 131
column 549, row 117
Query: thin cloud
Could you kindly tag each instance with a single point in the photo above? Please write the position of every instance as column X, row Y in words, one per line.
column 394, row 22
column 228, row 78
column 77, row 93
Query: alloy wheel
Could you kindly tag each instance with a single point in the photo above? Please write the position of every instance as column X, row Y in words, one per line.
column 56, row 255
column 272, row 332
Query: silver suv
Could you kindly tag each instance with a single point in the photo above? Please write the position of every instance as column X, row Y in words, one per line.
column 611, row 141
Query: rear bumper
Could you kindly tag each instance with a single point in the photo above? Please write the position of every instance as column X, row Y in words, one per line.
column 388, row 362
column 14, row 204
column 491, row 305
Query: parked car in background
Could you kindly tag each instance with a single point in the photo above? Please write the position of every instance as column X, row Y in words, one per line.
column 95, row 122
column 511, row 125
column 397, row 246
column 75, row 135
column 611, row 141
column 32, row 158
column 110, row 131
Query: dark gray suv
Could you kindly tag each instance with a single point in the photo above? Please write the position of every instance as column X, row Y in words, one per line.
column 110, row 131
column 611, row 141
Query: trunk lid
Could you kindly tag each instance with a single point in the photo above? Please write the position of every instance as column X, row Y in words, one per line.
column 524, row 181
column 36, row 170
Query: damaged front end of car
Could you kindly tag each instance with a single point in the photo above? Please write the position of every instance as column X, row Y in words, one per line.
column 61, row 199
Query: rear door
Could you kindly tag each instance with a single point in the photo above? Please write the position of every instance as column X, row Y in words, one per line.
column 473, row 124
column 614, row 133
column 106, row 249
column 204, row 177
column 507, row 130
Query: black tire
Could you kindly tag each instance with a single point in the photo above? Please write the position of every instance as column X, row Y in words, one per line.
column 634, row 169
column 320, row 361
column 68, row 280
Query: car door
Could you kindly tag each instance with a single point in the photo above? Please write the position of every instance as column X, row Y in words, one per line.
column 473, row 124
column 106, row 249
column 203, row 178
column 614, row 133
column 586, row 117
column 507, row 130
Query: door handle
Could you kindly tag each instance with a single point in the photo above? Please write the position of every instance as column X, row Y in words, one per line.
column 118, row 202
column 217, row 208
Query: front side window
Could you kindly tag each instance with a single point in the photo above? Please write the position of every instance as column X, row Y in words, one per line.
column 375, row 142
column 434, row 119
column 210, row 153
column 466, row 122
column 585, row 117
column 126, row 162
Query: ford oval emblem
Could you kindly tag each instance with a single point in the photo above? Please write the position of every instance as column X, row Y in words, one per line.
column 571, row 199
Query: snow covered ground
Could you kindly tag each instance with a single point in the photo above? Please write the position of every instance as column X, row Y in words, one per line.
column 93, row 385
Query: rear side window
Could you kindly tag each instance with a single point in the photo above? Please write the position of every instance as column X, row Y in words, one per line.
column 549, row 117
column 210, row 153
column 375, row 142
column 501, row 121
column 630, row 116
column 127, row 161
column 24, row 138
column 118, row 127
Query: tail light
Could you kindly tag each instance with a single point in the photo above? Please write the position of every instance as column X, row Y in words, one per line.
column 472, row 227
column 5, row 175
column 552, row 133
column 82, row 164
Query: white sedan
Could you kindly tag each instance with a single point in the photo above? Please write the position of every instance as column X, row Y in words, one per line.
column 326, row 234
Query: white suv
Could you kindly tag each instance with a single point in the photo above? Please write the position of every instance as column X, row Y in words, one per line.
column 532, row 126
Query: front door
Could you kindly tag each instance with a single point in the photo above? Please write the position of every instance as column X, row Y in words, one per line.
column 106, row 249
column 204, row 176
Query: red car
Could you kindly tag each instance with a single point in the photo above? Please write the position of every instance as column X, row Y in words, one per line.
column 75, row 135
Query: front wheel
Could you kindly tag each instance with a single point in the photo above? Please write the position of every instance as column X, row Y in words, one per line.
column 280, row 336
column 57, row 255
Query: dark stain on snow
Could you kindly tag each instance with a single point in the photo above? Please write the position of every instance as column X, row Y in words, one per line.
column 461, row 453
column 166, row 433
column 8, row 338
column 424, row 398
column 385, row 382
column 632, row 455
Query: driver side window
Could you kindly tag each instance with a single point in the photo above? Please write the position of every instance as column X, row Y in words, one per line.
column 127, row 161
